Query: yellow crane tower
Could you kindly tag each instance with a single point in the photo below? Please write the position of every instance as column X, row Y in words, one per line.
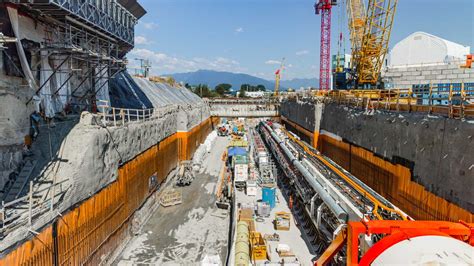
column 370, row 34
column 278, row 76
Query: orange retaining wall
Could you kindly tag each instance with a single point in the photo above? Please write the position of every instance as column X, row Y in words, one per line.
column 303, row 133
column 392, row 181
column 101, row 223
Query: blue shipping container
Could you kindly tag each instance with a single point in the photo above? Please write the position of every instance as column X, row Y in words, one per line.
column 268, row 196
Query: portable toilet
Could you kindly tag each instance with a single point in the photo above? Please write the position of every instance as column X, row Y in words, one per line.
column 269, row 195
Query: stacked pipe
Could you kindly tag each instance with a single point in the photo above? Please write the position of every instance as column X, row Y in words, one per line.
column 242, row 249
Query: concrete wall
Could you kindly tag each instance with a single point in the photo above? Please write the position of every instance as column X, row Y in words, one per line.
column 439, row 150
column 305, row 114
column 14, row 122
column 405, row 77
column 90, row 154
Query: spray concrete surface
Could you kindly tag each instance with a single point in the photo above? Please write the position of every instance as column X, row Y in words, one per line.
column 192, row 232
column 438, row 148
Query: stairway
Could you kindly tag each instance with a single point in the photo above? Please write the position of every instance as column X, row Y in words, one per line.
column 20, row 182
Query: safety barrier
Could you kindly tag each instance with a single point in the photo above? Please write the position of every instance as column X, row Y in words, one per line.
column 113, row 116
column 89, row 233
column 22, row 211
column 392, row 181
column 452, row 100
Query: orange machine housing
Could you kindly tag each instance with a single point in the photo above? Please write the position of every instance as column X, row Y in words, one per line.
column 395, row 232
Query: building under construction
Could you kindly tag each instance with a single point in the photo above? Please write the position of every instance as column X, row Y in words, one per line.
column 102, row 167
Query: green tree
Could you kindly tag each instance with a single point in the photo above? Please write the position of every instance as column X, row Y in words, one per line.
column 223, row 88
column 203, row 91
column 261, row 87
column 242, row 92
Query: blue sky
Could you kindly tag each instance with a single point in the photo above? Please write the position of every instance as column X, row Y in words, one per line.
column 251, row 36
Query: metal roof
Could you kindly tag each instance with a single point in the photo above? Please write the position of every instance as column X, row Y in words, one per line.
column 134, row 7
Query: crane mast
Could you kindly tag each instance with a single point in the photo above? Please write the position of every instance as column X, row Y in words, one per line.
column 324, row 7
column 278, row 77
column 356, row 21
column 370, row 36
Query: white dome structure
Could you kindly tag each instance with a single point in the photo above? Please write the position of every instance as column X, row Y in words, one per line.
column 421, row 48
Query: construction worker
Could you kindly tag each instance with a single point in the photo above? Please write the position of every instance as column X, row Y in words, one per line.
column 291, row 202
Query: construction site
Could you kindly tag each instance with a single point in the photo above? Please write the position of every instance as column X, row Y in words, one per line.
column 98, row 166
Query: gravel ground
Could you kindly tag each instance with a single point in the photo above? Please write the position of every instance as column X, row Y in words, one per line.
column 189, row 233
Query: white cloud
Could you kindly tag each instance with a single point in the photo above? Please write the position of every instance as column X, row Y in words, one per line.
column 239, row 30
column 148, row 25
column 141, row 40
column 164, row 64
column 303, row 52
column 289, row 65
column 273, row 62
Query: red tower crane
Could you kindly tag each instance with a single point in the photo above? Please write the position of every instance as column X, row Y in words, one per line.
column 323, row 7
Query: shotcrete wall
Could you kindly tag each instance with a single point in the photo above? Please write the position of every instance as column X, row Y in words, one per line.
column 439, row 150
column 305, row 114
column 422, row 164
column 91, row 154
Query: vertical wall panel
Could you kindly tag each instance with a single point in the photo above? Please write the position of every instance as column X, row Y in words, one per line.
column 37, row 251
column 392, row 181
column 98, row 225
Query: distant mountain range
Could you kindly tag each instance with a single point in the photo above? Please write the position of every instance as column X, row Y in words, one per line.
column 213, row 78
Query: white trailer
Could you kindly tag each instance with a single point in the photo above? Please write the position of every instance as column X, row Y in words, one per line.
column 241, row 174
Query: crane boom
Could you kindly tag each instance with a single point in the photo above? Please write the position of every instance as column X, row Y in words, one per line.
column 356, row 20
column 370, row 51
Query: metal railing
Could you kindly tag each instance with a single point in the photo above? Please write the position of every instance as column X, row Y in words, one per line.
column 452, row 100
column 22, row 211
column 114, row 116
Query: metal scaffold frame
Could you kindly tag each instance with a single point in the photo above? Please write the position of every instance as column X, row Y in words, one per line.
column 105, row 15
column 90, row 51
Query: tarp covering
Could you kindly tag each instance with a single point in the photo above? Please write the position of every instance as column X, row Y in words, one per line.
column 46, row 91
column 13, row 14
column 162, row 94
column 125, row 93
column 232, row 151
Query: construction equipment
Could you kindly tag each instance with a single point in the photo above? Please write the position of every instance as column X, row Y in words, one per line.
column 378, row 22
column 402, row 242
column 222, row 131
column 278, row 77
column 185, row 174
column 468, row 61
column 282, row 221
column 324, row 7
column 369, row 33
